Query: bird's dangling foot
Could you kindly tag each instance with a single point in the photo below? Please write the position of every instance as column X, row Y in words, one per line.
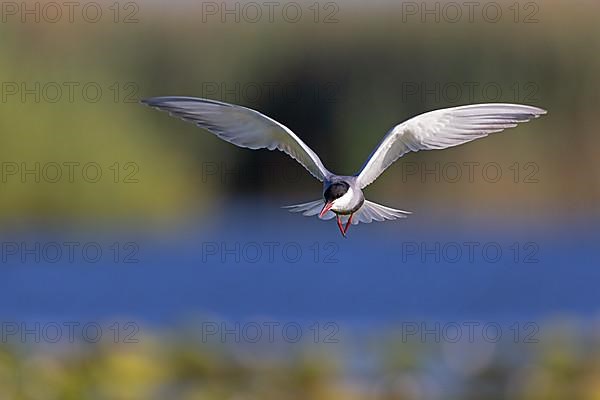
column 339, row 222
column 348, row 224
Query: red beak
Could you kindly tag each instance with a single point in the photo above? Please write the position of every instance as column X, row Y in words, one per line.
column 326, row 208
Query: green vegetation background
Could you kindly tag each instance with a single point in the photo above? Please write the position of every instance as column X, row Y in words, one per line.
column 367, row 57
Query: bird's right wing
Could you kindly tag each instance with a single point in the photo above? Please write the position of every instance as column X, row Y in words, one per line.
column 443, row 128
column 243, row 127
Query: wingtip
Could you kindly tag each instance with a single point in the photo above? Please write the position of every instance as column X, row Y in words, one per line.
column 146, row 102
column 538, row 112
column 158, row 101
column 150, row 101
column 162, row 100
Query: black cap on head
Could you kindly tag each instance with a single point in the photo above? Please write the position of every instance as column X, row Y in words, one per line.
column 335, row 191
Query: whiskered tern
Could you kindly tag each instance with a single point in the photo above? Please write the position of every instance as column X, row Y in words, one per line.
column 343, row 198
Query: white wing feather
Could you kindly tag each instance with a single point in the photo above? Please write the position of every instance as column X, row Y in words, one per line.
column 243, row 127
column 443, row 128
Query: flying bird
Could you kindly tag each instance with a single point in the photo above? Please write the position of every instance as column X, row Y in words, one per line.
column 342, row 196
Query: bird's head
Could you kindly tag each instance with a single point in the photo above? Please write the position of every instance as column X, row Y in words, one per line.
column 332, row 193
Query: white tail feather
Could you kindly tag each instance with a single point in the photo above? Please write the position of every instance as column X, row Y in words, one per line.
column 366, row 214
column 311, row 208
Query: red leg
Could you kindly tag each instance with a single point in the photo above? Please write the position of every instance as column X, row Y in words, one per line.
column 339, row 222
column 348, row 224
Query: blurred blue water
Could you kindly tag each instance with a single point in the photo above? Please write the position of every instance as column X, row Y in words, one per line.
column 383, row 272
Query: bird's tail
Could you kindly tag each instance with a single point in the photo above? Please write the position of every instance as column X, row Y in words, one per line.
column 368, row 213
column 311, row 208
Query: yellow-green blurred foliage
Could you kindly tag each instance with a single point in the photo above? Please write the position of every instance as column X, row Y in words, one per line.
column 559, row 362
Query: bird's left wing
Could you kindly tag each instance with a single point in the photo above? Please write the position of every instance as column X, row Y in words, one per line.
column 443, row 128
column 243, row 127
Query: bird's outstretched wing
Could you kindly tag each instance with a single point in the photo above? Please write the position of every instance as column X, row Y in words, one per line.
column 241, row 126
column 443, row 128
